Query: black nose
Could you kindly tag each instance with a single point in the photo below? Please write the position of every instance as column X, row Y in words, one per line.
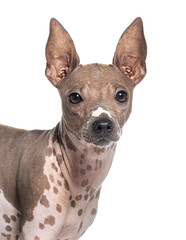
column 103, row 127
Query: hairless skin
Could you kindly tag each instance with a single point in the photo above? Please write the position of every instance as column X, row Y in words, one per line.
column 50, row 181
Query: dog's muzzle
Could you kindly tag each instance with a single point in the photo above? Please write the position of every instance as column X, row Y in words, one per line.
column 101, row 129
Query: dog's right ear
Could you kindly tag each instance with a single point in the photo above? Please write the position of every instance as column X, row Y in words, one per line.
column 60, row 53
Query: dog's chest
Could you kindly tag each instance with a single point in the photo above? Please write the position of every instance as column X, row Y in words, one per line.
column 73, row 207
column 69, row 206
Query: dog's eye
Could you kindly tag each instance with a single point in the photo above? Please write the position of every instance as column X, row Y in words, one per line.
column 75, row 98
column 121, row 96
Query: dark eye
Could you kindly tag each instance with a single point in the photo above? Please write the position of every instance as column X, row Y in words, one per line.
column 121, row 96
column 75, row 98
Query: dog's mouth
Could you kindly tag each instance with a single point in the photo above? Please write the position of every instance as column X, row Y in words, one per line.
column 101, row 132
column 102, row 142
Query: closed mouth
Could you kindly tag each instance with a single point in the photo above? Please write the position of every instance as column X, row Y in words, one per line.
column 100, row 131
column 102, row 141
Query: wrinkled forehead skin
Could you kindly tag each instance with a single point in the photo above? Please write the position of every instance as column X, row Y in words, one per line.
column 97, row 84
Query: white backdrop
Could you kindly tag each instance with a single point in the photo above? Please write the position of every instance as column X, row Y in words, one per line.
column 144, row 195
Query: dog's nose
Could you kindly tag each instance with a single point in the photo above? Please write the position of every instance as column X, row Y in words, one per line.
column 103, row 127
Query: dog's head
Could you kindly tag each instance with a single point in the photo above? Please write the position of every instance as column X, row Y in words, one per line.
column 96, row 98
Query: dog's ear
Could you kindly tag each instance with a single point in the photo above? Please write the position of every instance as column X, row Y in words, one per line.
column 60, row 53
column 131, row 52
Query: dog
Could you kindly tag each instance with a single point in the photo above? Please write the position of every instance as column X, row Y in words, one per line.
column 50, row 181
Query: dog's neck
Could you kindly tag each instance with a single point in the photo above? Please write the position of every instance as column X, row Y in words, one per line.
column 83, row 165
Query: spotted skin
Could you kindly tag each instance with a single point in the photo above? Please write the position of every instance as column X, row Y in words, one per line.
column 50, row 181
column 69, row 206
column 9, row 220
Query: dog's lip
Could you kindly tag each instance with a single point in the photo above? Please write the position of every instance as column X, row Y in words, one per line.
column 102, row 141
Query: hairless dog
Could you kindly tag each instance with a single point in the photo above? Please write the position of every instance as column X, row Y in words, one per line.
column 50, row 181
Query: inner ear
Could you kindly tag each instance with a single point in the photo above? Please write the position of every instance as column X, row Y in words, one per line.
column 62, row 72
column 61, row 54
column 131, row 52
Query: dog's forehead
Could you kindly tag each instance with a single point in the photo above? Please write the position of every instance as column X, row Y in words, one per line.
column 98, row 77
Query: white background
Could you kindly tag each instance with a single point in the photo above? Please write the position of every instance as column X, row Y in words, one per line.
column 144, row 195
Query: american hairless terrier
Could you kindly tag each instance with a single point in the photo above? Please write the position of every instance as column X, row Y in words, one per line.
column 50, row 181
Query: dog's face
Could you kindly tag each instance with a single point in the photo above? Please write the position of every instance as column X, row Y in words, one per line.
column 96, row 98
column 96, row 102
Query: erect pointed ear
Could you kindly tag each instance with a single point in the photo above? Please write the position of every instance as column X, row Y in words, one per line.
column 131, row 52
column 60, row 53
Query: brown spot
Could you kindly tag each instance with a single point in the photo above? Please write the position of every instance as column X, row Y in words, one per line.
column 86, row 196
column 78, row 197
column 88, row 189
column 70, row 198
column 66, row 186
column 54, row 167
column 80, row 212
column 13, row 218
column 82, row 171
column 51, row 178
column 70, row 144
column 82, row 156
column 8, row 236
column 89, row 167
column 6, row 218
column 48, row 151
column 36, row 238
column 98, row 164
column 80, row 226
column 59, row 183
column 58, row 207
column 54, row 151
column 44, row 201
column 17, row 237
column 55, row 190
column 84, row 183
column 73, row 204
column 8, row 228
column 50, row 220
column 93, row 212
column 41, row 226
column 99, row 150
column 81, row 162
column 18, row 215
column 59, row 159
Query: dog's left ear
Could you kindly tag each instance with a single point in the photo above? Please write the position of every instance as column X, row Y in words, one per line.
column 61, row 54
column 131, row 52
